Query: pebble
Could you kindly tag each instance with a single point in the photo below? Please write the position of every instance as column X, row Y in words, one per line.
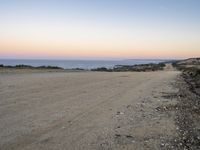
column 162, row 144
column 120, row 113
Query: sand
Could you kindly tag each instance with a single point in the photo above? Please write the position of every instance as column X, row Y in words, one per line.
column 86, row 110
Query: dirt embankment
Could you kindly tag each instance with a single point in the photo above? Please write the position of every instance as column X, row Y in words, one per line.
column 188, row 112
column 187, row 109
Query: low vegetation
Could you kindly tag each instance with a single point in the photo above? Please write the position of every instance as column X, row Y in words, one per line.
column 104, row 69
column 136, row 68
column 190, row 72
column 28, row 67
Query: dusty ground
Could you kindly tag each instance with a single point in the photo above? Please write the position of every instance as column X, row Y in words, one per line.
column 87, row 110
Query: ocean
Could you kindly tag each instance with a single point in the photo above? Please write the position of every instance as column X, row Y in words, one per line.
column 84, row 64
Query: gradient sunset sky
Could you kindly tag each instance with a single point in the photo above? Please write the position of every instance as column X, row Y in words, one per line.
column 99, row 29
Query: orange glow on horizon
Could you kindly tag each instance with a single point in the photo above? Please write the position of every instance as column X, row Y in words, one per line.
column 96, row 42
column 26, row 48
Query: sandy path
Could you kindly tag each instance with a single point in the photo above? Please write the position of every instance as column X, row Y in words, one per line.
column 169, row 67
column 85, row 110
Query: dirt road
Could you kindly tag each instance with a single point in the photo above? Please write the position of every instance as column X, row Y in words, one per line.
column 86, row 110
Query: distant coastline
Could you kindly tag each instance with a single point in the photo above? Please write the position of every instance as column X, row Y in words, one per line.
column 83, row 64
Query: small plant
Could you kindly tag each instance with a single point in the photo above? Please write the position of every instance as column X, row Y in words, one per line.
column 102, row 69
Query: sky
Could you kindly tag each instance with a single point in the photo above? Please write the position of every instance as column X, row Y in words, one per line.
column 99, row 29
